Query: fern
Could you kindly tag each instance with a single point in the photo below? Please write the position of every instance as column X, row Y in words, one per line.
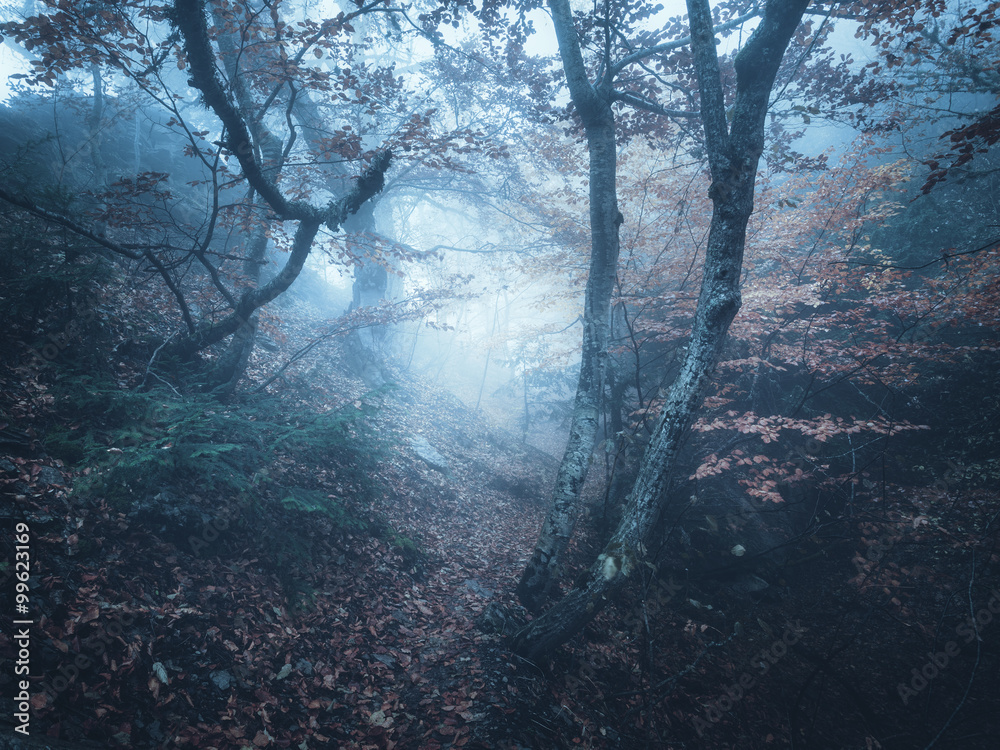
column 141, row 450
column 147, row 441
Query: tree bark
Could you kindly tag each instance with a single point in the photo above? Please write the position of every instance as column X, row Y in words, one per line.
column 189, row 18
column 593, row 103
column 733, row 155
column 371, row 282
column 224, row 376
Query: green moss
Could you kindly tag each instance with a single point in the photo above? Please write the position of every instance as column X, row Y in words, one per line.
column 409, row 549
column 66, row 445
column 305, row 502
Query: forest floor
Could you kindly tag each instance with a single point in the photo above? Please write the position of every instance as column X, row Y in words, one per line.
column 389, row 629
column 390, row 635
column 183, row 645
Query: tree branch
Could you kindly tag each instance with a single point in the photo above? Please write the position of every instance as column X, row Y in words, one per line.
column 706, row 61
column 641, row 102
column 76, row 228
column 189, row 18
column 659, row 49
column 584, row 95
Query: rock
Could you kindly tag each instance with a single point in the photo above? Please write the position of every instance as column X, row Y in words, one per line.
column 222, row 679
column 48, row 475
column 7, row 467
column 517, row 487
column 498, row 619
column 429, row 454
column 304, row 667
column 477, row 588
column 749, row 585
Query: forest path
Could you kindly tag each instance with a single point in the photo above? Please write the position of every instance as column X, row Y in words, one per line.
column 353, row 642
column 475, row 522
column 436, row 677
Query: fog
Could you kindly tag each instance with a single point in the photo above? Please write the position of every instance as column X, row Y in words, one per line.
column 518, row 375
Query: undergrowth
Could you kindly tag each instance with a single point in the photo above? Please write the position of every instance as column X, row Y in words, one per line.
column 134, row 444
column 273, row 468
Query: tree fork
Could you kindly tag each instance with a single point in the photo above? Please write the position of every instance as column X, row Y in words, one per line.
column 733, row 155
column 189, row 16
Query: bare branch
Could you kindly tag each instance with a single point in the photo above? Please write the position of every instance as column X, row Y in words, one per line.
column 75, row 227
column 659, row 49
column 640, row 102
column 189, row 17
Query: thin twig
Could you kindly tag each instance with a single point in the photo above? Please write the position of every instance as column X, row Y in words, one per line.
column 149, row 367
column 979, row 649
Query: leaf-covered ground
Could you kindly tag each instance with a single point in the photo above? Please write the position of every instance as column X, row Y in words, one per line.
column 388, row 630
column 200, row 645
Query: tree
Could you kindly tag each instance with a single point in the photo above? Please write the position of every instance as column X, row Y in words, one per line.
column 115, row 35
column 595, row 104
column 734, row 145
column 291, row 129
column 930, row 50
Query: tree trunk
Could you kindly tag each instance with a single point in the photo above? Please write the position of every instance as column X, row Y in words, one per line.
column 371, row 281
column 95, row 140
column 733, row 156
column 594, row 107
column 189, row 18
column 229, row 369
column 232, row 364
column 95, row 123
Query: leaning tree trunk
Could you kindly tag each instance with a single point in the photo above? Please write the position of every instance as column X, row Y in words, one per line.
column 226, row 373
column 594, row 107
column 188, row 16
column 733, row 155
column 95, row 131
column 231, row 365
column 369, row 288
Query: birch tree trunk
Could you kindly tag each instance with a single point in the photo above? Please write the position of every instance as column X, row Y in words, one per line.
column 593, row 103
column 733, row 152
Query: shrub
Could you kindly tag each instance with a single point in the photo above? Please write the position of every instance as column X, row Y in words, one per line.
column 136, row 444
